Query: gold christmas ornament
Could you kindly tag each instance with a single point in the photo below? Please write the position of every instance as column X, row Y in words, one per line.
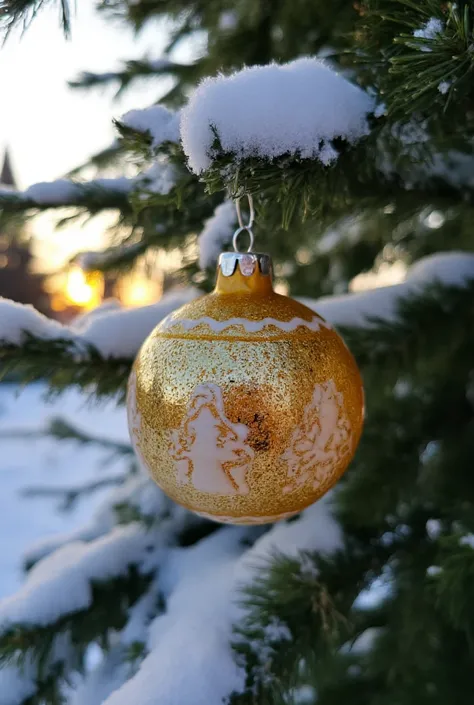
column 244, row 405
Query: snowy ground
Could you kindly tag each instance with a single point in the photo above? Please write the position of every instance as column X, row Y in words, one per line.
column 47, row 462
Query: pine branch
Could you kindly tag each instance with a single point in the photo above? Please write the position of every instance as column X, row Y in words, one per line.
column 60, row 429
column 300, row 612
column 109, row 608
column 62, row 364
column 419, row 55
column 96, row 195
column 21, row 13
column 133, row 70
column 69, row 496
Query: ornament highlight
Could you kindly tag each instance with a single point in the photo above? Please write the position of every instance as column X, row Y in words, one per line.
column 244, row 405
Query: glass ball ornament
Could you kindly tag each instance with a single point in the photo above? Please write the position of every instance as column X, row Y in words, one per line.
column 245, row 405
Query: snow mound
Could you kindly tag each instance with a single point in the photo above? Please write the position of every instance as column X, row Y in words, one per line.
column 267, row 111
column 61, row 583
column 161, row 123
column 202, row 586
column 114, row 333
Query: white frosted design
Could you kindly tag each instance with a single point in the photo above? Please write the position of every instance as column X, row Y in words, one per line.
column 321, row 441
column 209, row 450
column 250, row 326
column 134, row 416
column 224, row 519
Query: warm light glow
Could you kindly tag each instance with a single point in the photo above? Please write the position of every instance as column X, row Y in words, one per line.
column 137, row 290
column 84, row 289
column 386, row 275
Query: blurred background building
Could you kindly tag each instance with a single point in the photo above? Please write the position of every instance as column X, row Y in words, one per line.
column 18, row 280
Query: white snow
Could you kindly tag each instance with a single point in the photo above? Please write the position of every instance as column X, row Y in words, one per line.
column 161, row 123
column 121, row 333
column 61, row 583
column 430, row 30
column 218, row 230
column 111, row 673
column 87, row 261
column 190, row 658
column 104, row 330
column 66, row 192
column 16, row 684
column 467, row 540
column 137, row 490
column 277, row 631
column 444, row 87
column 227, row 20
column 17, row 318
column 433, row 570
column 40, row 462
column 54, row 192
column 433, row 528
column 159, row 178
column 140, row 616
column 63, row 191
column 363, row 643
column 267, row 111
column 452, row 268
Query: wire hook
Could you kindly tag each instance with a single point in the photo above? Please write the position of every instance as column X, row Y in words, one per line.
column 244, row 226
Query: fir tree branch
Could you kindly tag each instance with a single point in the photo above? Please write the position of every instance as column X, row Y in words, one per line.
column 109, row 606
column 131, row 71
column 96, row 195
column 69, row 496
column 60, row 429
column 21, row 13
column 62, row 364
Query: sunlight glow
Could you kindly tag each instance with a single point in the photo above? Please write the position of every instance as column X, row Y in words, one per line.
column 84, row 289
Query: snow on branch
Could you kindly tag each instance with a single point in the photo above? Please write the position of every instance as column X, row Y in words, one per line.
column 17, row 684
column 356, row 310
column 119, row 333
column 161, row 124
column 20, row 13
column 97, row 194
column 201, row 585
column 108, row 193
column 112, row 333
column 62, row 583
column 268, row 111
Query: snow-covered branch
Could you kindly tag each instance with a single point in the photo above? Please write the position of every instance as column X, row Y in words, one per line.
column 20, row 13
column 120, row 333
column 157, row 122
column 98, row 194
column 97, row 354
column 201, row 585
column 113, row 334
column 296, row 109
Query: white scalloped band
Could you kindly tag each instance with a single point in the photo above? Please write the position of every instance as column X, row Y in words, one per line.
column 249, row 326
column 222, row 519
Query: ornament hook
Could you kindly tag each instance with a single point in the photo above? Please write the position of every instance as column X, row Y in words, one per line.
column 244, row 226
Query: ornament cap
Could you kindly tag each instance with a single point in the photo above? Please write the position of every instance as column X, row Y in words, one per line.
column 244, row 272
column 247, row 262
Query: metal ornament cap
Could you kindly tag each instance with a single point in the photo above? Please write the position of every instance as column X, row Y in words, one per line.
column 245, row 405
column 247, row 262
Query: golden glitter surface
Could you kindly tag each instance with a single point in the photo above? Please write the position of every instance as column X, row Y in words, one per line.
column 245, row 406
